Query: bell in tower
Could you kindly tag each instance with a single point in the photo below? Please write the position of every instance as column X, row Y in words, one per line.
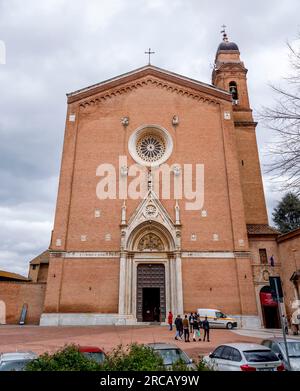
column 234, row 92
column 230, row 73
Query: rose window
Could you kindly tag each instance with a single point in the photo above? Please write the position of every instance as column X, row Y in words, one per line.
column 150, row 147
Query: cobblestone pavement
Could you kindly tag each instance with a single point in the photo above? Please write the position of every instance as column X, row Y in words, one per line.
column 41, row 339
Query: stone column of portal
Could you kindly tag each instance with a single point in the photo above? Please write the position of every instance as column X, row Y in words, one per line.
column 122, row 284
column 173, row 285
column 179, row 283
column 170, row 285
column 128, row 285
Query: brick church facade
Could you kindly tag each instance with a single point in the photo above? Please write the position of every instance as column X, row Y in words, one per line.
column 121, row 259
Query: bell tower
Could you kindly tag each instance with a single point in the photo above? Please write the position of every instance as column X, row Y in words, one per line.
column 230, row 74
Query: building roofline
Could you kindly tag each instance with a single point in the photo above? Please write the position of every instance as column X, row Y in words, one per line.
column 13, row 276
column 107, row 82
column 255, row 230
column 289, row 235
column 41, row 258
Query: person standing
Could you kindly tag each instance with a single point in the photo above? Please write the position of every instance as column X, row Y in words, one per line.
column 295, row 321
column 285, row 324
column 179, row 326
column 196, row 328
column 191, row 320
column 186, row 330
column 205, row 325
column 170, row 321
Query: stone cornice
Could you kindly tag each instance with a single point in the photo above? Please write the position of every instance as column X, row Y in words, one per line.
column 230, row 67
column 150, row 80
column 117, row 254
column 144, row 76
column 243, row 124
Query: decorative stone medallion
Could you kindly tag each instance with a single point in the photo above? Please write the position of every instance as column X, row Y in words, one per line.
column 150, row 211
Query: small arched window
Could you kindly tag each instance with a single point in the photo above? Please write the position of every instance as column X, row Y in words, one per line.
column 234, row 91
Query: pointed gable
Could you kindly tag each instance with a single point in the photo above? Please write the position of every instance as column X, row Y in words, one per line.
column 143, row 76
column 151, row 211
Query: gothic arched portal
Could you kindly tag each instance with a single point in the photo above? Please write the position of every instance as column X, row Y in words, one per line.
column 150, row 274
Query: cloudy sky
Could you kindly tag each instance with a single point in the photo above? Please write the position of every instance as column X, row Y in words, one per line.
column 58, row 46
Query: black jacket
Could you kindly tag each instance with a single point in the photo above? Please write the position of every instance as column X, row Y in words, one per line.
column 196, row 324
column 205, row 325
column 178, row 324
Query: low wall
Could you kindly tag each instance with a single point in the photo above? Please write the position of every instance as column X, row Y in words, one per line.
column 15, row 294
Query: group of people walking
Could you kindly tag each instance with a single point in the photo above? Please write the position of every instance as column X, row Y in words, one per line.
column 189, row 325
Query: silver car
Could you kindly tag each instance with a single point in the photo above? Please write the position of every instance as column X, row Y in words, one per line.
column 15, row 361
column 247, row 357
column 171, row 354
column 277, row 346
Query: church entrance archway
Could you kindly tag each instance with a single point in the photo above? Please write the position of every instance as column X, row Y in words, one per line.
column 269, row 308
column 151, row 295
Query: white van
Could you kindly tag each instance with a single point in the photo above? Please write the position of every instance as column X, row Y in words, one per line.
column 216, row 318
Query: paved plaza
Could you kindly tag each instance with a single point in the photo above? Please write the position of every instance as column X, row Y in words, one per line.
column 41, row 339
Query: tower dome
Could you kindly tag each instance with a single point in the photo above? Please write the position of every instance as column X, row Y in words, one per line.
column 226, row 45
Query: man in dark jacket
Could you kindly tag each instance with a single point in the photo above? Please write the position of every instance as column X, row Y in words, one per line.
column 205, row 325
column 179, row 327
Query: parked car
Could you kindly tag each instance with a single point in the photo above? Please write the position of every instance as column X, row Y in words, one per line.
column 245, row 357
column 171, row 353
column 16, row 361
column 216, row 318
column 277, row 346
column 93, row 353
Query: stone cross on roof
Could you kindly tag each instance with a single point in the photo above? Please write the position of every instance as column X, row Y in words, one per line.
column 149, row 54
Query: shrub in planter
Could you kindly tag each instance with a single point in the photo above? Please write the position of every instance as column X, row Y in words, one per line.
column 134, row 357
column 66, row 359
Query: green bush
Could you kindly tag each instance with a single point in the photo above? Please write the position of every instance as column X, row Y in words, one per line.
column 202, row 366
column 180, row 365
column 66, row 359
column 133, row 357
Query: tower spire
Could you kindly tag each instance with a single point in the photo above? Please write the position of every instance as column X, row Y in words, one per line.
column 223, row 31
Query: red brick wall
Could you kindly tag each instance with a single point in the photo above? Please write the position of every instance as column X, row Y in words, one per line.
column 86, row 285
column 97, row 136
column 212, row 283
column 289, row 251
column 203, row 136
column 15, row 294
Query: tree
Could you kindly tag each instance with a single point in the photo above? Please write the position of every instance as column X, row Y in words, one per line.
column 284, row 119
column 287, row 213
